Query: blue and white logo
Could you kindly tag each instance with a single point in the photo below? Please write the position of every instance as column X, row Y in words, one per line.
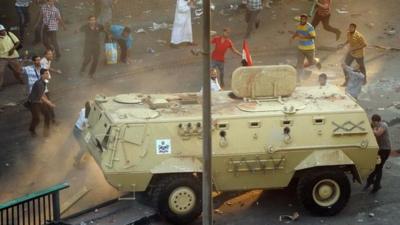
column 163, row 146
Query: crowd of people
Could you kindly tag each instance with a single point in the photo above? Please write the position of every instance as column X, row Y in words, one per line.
column 38, row 73
column 99, row 29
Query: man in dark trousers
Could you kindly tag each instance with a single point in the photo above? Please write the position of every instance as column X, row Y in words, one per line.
column 357, row 43
column 91, row 49
column 381, row 132
column 123, row 36
column 40, row 104
column 253, row 10
column 323, row 14
column 50, row 17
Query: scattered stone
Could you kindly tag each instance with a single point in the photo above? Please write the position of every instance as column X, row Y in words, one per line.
column 7, row 164
column 342, row 11
column 161, row 42
column 212, row 6
column 293, row 217
column 158, row 26
column 381, row 109
column 391, row 31
column 233, row 7
column 150, row 50
column 295, row 9
column 140, row 30
column 11, row 104
column 371, row 214
column 198, row 12
column 83, row 223
column 218, row 211
column 96, row 210
column 370, row 25
column 360, row 220
column 228, row 203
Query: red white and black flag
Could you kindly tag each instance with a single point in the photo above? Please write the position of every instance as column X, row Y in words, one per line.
column 246, row 57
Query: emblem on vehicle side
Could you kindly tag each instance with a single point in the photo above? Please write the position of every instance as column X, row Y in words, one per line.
column 163, row 146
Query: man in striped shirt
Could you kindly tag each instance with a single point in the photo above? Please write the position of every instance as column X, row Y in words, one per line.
column 323, row 15
column 357, row 43
column 305, row 34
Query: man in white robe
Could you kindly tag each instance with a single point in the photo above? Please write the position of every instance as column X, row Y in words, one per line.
column 182, row 28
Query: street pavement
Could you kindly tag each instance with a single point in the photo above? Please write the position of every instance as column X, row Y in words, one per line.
column 28, row 164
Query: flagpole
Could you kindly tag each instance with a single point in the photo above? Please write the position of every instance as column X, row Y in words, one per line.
column 207, row 151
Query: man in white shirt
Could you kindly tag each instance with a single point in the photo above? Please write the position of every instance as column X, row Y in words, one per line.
column 46, row 61
column 80, row 125
column 182, row 28
column 46, row 64
column 214, row 84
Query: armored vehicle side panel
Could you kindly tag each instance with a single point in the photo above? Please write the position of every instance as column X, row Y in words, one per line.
column 153, row 143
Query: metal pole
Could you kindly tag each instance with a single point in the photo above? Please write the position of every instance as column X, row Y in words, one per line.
column 207, row 151
column 56, row 206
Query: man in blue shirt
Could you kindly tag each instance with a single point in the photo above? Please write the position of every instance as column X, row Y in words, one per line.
column 124, row 39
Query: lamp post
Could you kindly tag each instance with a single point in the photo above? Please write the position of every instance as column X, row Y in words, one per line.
column 207, row 151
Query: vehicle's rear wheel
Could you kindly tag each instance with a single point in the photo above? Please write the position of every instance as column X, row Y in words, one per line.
column 324, row 192
column 178, row 198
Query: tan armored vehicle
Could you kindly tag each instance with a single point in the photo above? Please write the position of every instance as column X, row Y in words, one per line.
column 266, row 134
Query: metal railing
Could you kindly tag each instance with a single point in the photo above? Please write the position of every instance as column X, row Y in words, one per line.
column 38, row 208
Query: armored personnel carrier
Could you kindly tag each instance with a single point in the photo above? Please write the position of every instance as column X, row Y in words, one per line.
column 266, row 134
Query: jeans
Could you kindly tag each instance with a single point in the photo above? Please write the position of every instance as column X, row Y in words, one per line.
column 360, row 61
column 252, row 19
column 220, row 66
column 50, row 41
column 78, row 136
column 376, row 176
column 23, row 19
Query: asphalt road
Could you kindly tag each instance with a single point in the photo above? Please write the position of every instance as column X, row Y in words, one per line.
column 28, row 164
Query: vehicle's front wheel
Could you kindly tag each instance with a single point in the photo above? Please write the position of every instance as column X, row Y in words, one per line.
column 324, row 192
column 178, row 198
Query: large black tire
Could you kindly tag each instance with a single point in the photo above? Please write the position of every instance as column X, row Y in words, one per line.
column 324, row 192
column 178, row 198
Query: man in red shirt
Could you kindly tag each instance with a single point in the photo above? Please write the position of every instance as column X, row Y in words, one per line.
column 222, row 44
column 323, row 15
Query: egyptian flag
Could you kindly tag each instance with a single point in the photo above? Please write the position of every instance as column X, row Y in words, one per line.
column 246, row 57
